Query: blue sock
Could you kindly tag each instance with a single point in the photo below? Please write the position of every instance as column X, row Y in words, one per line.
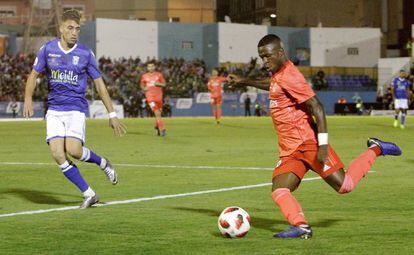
column 72, row 173
column 403, row 119
column 91, row 157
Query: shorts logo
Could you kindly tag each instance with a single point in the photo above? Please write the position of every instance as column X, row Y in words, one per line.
column 326, row 168
column 75, row 60
column 278, row 163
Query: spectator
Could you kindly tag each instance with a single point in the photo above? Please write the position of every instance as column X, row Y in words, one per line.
column 247, row 103
column 13, row 107
column 167, row 109
column 388, row 99
column 356, row 97
column 319, row 82
column 341, row 100
column 360, row 107
column 257, row 109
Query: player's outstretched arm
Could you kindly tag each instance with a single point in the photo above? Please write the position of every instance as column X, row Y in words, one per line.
column 238, row 81
column 28, row 94
column 118, row 127
column 316, row 109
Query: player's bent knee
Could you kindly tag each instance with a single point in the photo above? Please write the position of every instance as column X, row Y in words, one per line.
column 347, row 186
column 74, row 152
column 58, row 156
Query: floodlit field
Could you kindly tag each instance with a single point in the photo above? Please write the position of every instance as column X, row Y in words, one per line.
column 171, row 191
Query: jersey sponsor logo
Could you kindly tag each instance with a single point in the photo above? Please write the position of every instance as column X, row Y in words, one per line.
column 54, row 55
column 278, row 163
column 53, row 61
column 64, row 76
column 75, row 60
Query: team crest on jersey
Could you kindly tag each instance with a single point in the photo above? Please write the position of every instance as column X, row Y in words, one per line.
column 53, row 61
column 75, row 60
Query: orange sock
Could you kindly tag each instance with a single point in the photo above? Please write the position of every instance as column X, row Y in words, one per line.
column 214, row 111
column 289, row 206
column 218, row 114
column 358, row 168
column 160, row 123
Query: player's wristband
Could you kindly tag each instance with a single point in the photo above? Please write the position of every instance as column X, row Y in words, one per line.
column 322, row 138
column 112, row 115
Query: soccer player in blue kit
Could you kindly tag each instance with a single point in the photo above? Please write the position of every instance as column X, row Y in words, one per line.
column 68, row 65
column 400, row 88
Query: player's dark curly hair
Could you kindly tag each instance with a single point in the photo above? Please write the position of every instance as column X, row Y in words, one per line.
column 71, row 14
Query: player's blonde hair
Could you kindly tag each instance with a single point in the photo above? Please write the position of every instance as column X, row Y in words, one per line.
column 71, row 14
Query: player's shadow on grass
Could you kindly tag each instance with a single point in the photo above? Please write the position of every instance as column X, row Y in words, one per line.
column 273, row 225
column 135, row 133
column 257, row 222
column 39, row 197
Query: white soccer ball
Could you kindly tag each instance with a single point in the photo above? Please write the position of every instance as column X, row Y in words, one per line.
column 234, row 222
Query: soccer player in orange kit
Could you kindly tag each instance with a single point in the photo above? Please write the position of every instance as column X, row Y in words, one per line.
column 152, row 83
column 300, row 123
column 215, row 87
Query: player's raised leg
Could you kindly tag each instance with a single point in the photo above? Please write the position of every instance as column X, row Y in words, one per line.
column 344, row 182
column 75, row 149
column 72, row 172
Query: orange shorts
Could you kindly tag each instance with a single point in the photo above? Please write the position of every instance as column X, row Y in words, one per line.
column 217, row 100
column 306, row 157
column 155, row 105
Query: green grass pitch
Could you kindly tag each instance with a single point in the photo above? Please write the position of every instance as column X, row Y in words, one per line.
column 376, row 218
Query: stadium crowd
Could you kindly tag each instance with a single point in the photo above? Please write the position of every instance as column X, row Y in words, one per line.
column 122, row 76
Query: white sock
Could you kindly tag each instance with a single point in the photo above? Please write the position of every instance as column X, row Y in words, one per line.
column 89, row 193
column 103, row 163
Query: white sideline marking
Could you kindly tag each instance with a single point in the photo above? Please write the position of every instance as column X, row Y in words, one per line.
column 155, row 166
column 20, row 119
column 138, row 200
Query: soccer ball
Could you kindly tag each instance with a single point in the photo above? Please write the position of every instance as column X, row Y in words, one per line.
column 234, row 222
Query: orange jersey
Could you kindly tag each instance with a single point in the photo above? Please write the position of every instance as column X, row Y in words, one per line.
column 215, row 87
column 294, row 126
column 148, row 80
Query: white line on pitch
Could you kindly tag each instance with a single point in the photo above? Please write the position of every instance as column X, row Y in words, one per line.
column 155, row 166
column 139, row 200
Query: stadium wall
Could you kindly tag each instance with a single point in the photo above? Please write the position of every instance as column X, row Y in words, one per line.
column 388, row 68
column 347, row 47
column 296, row 42
column 210, row 45
column 126, row 38
column 200, row 106
column 88, row 35
column 180, row 40
column 238, row 42
column 233, row 104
